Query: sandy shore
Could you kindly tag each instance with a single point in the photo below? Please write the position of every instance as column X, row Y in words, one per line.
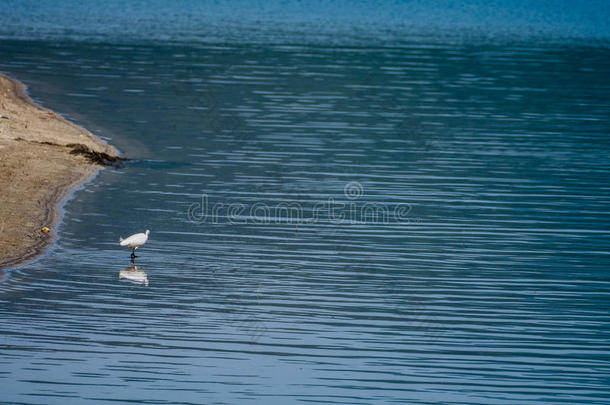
column 42, row 157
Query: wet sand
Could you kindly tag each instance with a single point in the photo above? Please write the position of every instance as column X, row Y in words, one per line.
column 39, row 167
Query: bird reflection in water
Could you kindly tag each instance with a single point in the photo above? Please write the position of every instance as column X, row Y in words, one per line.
column 135, row 274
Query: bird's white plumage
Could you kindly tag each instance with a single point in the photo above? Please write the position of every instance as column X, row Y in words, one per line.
column 136, row 240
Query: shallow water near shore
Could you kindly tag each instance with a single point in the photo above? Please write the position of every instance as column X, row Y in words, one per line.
column 340, row 224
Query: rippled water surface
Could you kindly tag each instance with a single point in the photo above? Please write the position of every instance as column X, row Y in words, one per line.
column 335, row 224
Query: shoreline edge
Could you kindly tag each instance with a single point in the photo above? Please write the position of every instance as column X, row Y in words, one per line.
column 41, row 163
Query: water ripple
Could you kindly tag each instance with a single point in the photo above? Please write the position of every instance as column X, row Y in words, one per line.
column 490, row 286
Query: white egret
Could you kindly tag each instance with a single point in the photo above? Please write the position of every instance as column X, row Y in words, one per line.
column 135, row 241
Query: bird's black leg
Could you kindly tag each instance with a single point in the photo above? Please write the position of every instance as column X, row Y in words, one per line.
column 133, row 254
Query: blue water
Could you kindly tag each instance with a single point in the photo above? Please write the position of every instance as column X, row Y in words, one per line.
column 396, row 214
column 320, row 21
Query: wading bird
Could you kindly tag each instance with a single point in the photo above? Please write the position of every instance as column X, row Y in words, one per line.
column 135, row 241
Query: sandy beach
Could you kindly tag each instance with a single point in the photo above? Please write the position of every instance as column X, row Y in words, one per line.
column 42, row 157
